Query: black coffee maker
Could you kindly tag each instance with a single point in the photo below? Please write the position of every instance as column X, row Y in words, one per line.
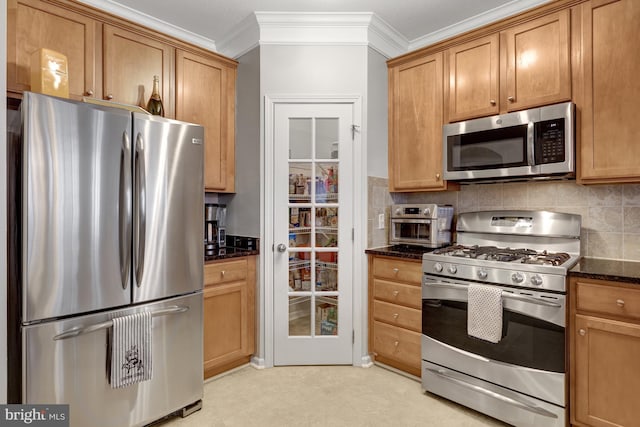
column 214, row 228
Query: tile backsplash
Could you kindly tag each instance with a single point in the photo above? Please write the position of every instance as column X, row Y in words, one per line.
column 610, row 213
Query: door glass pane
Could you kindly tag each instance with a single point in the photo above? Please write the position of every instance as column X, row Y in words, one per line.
column 326, row 230
column 326, row 182
column 326, row 272
column 299, row 316
column 327, row 315
column 300, row 272
column 327, row 138
column 299, row 227
column 299, row 182
column 300, row 136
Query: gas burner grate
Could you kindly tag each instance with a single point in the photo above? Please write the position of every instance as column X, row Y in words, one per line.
column 494, row 253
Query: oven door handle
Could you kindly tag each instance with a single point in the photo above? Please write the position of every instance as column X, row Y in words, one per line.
column 508, row 295
column 510, row 400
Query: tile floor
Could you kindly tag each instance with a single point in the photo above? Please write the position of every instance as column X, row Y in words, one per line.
column 317, row 396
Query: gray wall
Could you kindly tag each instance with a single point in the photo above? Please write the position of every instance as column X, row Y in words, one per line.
column 243, row 207
column 377, row 121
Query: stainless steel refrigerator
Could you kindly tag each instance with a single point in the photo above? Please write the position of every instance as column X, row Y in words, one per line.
column 106, row 217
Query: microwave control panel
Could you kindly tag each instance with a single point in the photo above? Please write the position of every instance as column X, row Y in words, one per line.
column 549, row 141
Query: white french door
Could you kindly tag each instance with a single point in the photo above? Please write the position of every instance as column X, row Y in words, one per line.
column 313, row 221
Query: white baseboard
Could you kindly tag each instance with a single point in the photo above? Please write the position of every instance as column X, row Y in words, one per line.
column 258, row 363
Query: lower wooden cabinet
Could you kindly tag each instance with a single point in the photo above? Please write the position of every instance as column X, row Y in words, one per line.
column 604, row 353
column 395, row 315
column 229, row 314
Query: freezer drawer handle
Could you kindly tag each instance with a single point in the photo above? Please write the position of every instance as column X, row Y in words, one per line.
column 81, row 330
column 524, row 405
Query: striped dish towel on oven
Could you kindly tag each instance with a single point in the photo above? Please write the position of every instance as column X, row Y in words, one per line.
column 131, row 350
column 484, row 313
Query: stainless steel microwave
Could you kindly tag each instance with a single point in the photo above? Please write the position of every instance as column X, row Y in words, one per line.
column 538, row 142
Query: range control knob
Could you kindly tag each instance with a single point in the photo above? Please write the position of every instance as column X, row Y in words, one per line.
column 482, row 274
column 452, row 269
column 517, row 277
column 536, row 280
column 426, row 212
column 437, row 267
column 399, row 211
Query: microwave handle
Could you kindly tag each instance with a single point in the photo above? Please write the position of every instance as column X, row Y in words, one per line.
column 531, row 142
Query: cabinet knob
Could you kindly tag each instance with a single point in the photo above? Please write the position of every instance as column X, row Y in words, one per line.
column 89, row 93
column 395, row 316
column 395, row 293
column 582, row 332
column 222, row 273
column 109, row 97
column 511, row 99
column 395, row 344
column 492, row 102
column 437, row 176
column 395, row 270
column 620, row 303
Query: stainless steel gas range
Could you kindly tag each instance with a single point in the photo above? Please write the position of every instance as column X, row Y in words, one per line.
column 519, row 260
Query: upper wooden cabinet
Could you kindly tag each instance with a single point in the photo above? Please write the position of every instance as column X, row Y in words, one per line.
column 609, row 148
column 113, row 59
column 537, row 67
column 473, row 79
column 524, row 66
column 130, row 62
column 415, row 125
column 32, row 24
column 206, row 95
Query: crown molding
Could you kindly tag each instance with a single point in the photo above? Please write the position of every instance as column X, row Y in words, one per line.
column 508, row 9
column 314, row 28
column 152, row 22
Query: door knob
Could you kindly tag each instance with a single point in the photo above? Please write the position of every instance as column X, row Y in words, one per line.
column 281, row 247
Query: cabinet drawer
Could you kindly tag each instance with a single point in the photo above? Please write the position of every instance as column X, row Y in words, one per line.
column 225, row 271
column 397, row 293
column 398, row 315
column 404, row 271
column 396, row 343
column 608, row 299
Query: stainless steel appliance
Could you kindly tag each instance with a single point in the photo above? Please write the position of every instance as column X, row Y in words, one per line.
column 215, row 237
column 106, row 213
column 532, row 143
column 426, row 225
column 521, row 378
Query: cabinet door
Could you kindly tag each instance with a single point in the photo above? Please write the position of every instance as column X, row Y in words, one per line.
column 611, row 65
column 33, row 25
column 607, row 372
column 130, row 62
column 226, row 322
column 205, row 94
column 473, row 79
column 538, row 69
column 415, row 125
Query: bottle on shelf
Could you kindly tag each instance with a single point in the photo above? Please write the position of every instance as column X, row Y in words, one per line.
column 154, row 105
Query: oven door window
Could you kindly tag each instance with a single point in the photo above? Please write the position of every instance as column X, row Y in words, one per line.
column 411, row 230
column 490, row 149
column 526, row 341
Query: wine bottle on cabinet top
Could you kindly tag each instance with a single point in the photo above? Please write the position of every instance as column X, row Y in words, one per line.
column 154, row 106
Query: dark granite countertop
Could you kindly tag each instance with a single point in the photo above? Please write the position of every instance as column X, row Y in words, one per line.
column 607, row 269
column 230, row 253
column 400, row 251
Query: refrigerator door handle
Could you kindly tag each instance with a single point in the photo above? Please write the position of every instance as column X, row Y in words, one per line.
column 124, row 211
column 81, row 330
column 141, row 218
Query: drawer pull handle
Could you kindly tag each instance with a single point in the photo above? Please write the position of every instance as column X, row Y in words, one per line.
column 395, row 270
column 395, row 293
column 620, row 303
column 395, row 316
column 395, row 344
column 582, row 332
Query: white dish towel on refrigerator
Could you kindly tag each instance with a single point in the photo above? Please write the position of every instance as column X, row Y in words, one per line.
column 484, row 313
column 131, row 350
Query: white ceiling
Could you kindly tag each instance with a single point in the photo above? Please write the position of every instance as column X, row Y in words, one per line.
column 214, row 19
